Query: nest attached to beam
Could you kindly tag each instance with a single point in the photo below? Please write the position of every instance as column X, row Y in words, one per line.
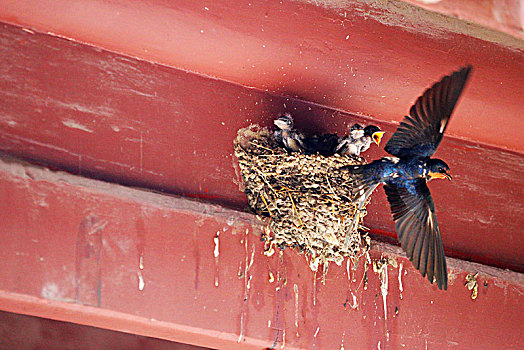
column 305, row 196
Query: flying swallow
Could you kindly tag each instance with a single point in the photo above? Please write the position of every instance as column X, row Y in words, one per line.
column 359, row 139
column 286, row 136
column 406, row 174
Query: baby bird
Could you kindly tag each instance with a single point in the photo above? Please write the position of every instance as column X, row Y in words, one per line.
column 372, row 133
column 323, row 144
column 286, row 136
column 359, row 139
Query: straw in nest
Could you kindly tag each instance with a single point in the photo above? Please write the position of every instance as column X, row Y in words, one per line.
column 307, row 199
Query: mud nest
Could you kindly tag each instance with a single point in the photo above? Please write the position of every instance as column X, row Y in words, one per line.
column 306, row 198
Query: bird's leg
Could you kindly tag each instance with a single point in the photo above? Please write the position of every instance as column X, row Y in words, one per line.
column 361, row 202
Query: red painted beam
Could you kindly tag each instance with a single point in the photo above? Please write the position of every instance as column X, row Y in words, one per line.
column 506, row 16
column 103, row 255
column 29, row 332
column 108, row 116
column 368, row 58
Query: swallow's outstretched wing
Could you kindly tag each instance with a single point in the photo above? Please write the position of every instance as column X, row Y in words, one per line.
column 416, row 224
column 420, row 133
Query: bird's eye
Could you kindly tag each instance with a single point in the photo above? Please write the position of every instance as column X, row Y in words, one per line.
column 440, row 170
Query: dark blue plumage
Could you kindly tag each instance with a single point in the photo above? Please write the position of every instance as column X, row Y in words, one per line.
column 323, row 144
column 405, row 175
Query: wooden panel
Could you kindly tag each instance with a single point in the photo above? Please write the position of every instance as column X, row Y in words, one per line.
column 158, row 276
column 108, row 116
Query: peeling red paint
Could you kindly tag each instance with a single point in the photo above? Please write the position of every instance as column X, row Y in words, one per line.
column 87, row 260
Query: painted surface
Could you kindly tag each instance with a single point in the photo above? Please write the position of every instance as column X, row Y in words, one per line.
column 102, row 255
column 369, row 58
column 503, row 15
column 26, row 332
column 260, row 301
column 108, row 116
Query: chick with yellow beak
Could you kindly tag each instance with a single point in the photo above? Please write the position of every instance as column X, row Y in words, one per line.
column 372, row 133
column 359, row 139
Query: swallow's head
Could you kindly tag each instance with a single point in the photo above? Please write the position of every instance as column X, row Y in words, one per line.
column 285, row 122
column 438, row 169
column 374, row 132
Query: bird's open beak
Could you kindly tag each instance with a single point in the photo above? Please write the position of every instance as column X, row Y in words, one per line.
column 433, row 175
column 377, row 136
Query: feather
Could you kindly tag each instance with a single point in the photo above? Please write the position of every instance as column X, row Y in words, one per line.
column 417, row 228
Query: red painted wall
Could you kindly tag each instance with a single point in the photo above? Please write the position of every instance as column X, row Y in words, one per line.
column 104, row 255
column 104, row 115
column 151, row 94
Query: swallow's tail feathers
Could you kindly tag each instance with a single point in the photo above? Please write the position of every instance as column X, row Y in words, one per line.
column 364, row 183
column 363, row 179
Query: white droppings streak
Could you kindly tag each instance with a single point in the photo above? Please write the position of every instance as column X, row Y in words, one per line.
column 241, row 335
column 252, row 260
column 75, row 125
column 248, row 266
column 347, row 269
column 378, row 345
column 400, row 287
column 316, row 332
column 283, row 339
column 295, row 289
column 247, row 283
column 354, row 305
column 384, row 287
column 141, row 283
column 216, row 252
